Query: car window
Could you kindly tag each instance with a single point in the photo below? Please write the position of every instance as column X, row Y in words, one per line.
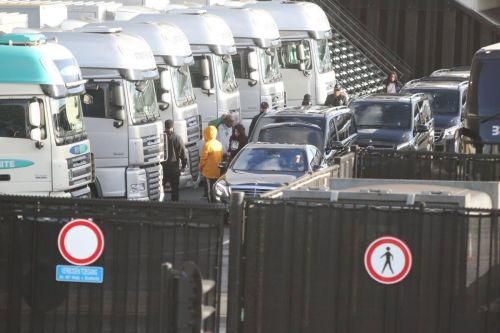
column 292, row 134
column 317, row 157
column 332, row 131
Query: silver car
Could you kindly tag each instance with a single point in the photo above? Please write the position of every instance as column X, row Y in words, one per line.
column 261, row 167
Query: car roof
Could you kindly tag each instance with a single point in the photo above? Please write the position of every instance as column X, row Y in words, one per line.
column 434, row 84
column 278, row 145
column 313, row 111
column 396, row 98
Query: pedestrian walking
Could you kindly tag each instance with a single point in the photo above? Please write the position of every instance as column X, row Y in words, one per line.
column 392, row 84
column 264, row 106
column 338, row 98
column 224, row 132
column 175, row 160
column 238, row 141
column 211, row 157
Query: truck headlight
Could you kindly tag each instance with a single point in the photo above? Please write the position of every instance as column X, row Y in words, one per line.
column 136, row 188
column 222, row 189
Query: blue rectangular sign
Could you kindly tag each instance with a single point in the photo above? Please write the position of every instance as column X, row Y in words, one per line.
column 84, row 274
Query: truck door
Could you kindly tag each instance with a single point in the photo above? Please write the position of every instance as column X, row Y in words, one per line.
column 23, row 167
column 206, row 99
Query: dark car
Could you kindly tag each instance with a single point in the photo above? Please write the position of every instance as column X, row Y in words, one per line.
column 330, row 129
column 261, row 167
column 447, row 98
column 461, row 73
column 393, row 121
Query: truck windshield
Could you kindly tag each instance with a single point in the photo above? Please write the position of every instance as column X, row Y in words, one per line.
column 484, row 99
column 225, row 73
column 142, row 97
column 323, row 55
column 68, row 119
column 269, row 65
column 382, row 115
column 441, row 101
column 183, row 90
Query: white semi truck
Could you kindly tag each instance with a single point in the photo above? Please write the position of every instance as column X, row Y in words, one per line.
column 305, row 54
column 212, row 74
column 256, row 65
column 120, row 110
column 44, row 148
column 173, row 87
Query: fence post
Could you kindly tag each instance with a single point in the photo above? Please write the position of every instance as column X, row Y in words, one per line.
column 235, row 236
column 166, row 317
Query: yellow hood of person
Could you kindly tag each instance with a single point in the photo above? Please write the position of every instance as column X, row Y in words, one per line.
column 211, row 155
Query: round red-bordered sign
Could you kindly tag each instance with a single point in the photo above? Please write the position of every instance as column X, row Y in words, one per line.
column 388, row 260
column 80, row 242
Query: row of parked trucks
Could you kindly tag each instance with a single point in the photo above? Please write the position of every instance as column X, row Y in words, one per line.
column 183, row 63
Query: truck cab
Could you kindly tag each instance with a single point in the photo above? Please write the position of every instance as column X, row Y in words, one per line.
column 256, row 65
column 44, row 149
column 120, row 111
column 175, row 94
column 305, row 54
column 212, row 74
column 447, row 98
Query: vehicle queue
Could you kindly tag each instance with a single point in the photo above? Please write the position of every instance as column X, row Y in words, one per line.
column 202, row 86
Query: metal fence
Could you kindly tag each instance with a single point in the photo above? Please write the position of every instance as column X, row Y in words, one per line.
column 139, row 237
column 300, row 268
column 391, row 164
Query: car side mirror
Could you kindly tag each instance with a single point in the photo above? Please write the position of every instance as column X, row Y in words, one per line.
column 336, row 145
column 422, row 128
column 34, row 114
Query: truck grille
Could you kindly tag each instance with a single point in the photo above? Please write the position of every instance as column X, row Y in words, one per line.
column 153, row 174
column 253, row 190
column 194, row 160
column 80, row 170
column 193, row 130
column 153, row 148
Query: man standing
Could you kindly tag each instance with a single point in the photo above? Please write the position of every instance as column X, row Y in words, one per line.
column 338, row 98
column 175, row 155
column 211, row 157
column 264, row 106
column 224, row 132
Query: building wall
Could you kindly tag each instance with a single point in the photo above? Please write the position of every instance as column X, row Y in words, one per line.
column 427, row 34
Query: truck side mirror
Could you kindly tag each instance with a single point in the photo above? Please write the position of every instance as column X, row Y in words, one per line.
column 117, row 93
column 36, row 134
column 119, row 115
column 164, row 80
column 252, row 61
column 301, row 53
column 205, row 83
column 254, row 76
column 34, row 114
column 302, row 66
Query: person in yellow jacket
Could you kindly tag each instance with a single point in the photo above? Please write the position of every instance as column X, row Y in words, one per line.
column 211, row 156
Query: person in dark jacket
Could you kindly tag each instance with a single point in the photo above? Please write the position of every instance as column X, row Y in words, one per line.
column 392, row 84
column 264, row 106
column 175, row 159
column 237, row 141
column 306, row 101
column 338, row 98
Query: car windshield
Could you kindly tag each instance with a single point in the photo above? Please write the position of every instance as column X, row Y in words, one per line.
column 323, row 55
column 271, row 159
column 67, row 117
column 225, row 73
column 382, row 115
column 442, row 101
column 181, row 81
column 142, row 97
column 293, row 134
column 269, row 65
column 263, row 121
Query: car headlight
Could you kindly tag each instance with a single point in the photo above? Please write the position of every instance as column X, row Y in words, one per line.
column 222, row 189
column 449, row 132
